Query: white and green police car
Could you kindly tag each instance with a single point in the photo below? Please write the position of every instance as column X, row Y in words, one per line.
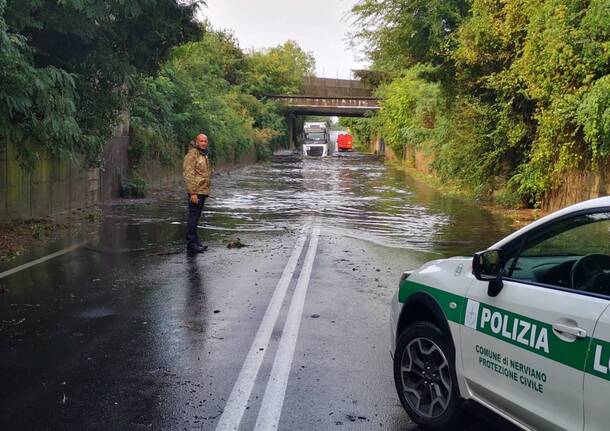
column 522, row 328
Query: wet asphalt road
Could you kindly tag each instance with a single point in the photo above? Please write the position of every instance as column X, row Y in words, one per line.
column 128, row 332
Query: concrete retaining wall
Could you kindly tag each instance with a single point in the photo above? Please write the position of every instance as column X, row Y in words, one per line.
column 419, row 160
column 411, row 157
column 158, row 175
column 578, row 186
column 115, row 167
column 57, row 186
column 247, row 159
column 53, row 187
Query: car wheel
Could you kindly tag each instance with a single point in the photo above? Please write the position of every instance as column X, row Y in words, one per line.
column 424, row 373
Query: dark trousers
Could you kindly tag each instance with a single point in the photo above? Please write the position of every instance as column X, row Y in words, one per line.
column 191, row 227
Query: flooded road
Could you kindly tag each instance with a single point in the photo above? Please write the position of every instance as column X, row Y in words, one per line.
column 128, row 332
column 351, row 194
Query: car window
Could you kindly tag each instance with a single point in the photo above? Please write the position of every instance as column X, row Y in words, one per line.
column 573, row 253
column 578, row 241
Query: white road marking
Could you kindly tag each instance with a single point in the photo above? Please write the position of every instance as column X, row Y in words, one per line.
column 238, row 399
column 41, row 260
column 273, row 400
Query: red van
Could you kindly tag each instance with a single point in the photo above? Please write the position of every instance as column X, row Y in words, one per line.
column 344, row 142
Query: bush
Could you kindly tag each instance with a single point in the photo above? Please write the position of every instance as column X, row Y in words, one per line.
column 134, row 187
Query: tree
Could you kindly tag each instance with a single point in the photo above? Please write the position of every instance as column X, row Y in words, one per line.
column 397, row 34
column 36, row 103
column 102, row 45
column 278, row 70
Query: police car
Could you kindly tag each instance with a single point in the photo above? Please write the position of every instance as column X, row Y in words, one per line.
column 523, row 328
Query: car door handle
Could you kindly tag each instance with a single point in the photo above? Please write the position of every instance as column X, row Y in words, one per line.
column 572, row 330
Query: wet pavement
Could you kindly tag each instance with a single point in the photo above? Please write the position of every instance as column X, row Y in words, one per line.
column 128, row 332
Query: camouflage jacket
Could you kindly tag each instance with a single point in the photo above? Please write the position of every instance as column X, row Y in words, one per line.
column 197, row 172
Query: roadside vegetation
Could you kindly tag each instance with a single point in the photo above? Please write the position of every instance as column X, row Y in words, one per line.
column 67, row 68
column 70, row 69
column 214, row 86
column 505, row 96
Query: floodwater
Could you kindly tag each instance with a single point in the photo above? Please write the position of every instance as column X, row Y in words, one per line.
column 350, row 194
column 358, row 196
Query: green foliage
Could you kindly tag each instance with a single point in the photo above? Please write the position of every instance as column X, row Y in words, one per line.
column 564, row 56
column 489, row 40
column 67, row 66
column 409, row 109
column 593, row 115
column 398, row 34
column 465, row 142
column 278, row 70
column 520, row 90
column 212, row 86
column 155, row 119
column 134, row 187
column 36, row 103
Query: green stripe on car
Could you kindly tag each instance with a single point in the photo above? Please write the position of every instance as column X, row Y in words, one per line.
column 451, row 304
column 598, row 361
column 521, row 331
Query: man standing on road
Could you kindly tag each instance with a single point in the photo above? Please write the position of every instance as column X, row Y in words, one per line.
column 197, row 179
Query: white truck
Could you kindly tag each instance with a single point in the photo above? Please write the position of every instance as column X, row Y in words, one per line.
column 316, row 139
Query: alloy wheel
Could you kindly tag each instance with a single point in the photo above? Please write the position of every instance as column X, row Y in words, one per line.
column 425, row 377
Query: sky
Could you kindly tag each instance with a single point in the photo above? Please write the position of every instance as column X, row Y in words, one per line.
column 319, row 26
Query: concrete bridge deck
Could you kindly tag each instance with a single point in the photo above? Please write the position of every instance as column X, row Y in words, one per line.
column 327, row 96
column 339, row 106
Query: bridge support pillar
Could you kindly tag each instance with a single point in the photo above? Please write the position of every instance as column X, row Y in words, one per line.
column 291, row 131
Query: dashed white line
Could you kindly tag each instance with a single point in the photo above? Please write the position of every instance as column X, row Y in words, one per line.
column 238, row 399
column 273, row 400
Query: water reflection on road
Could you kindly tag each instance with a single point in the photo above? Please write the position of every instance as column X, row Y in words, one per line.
column 351, row 194
column 356, row 195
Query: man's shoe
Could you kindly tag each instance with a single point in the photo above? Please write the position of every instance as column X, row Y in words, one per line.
column 196, row 248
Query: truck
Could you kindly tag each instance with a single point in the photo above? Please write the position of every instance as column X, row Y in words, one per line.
column 316, row 139
column 344, row 141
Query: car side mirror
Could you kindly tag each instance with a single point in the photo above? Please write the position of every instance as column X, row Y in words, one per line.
column 488, row 266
